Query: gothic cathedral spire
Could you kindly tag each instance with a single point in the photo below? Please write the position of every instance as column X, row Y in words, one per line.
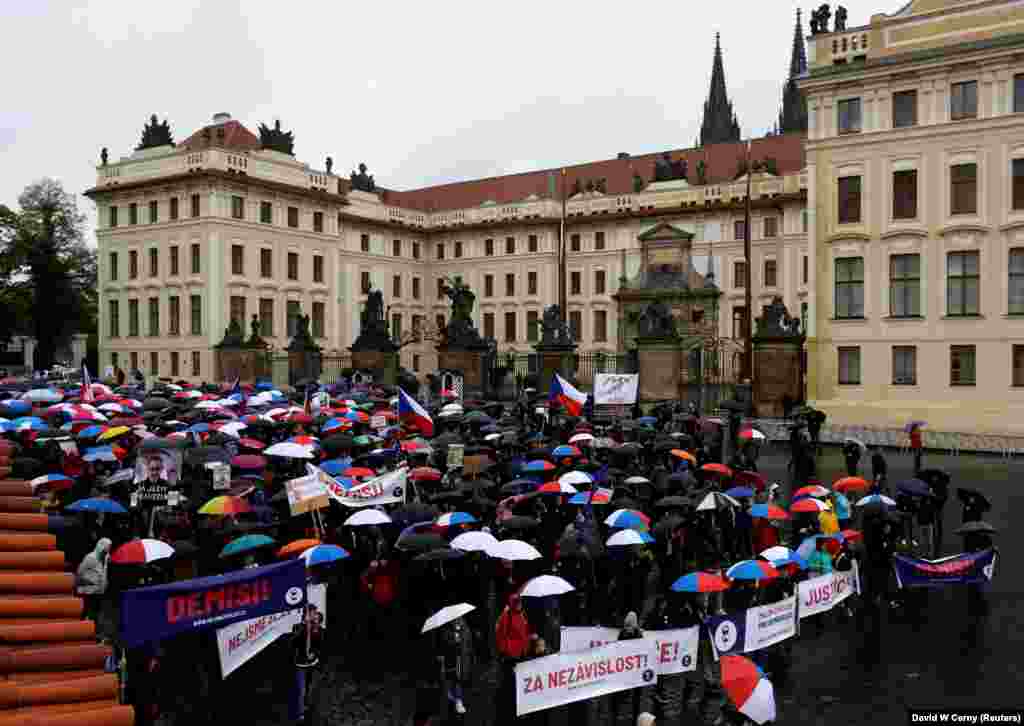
column 793, row 117
column 720, row 124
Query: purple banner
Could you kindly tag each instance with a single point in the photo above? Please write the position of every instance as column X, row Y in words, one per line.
column 963, row 569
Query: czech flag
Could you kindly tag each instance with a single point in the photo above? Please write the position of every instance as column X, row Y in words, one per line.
column 411, row 411
column 566, row 394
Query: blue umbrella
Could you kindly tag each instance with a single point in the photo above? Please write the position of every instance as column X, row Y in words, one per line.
column 647, row 420
column 333, row 424
column 246, row 543
column 15, row 408
column 91, row 432
column 737, row 492
column 25, row 422
column 322, row 554
column 914, row 487
column 199, row 428
column 334, row 467
column 97, row 504
column 6, row 427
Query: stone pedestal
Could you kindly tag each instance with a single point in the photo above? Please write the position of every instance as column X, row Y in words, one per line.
column 29, row 349
column 552, row 359
column 382, row 363
column 660, row 364
column 303, row 364
column 246, row 364
column 778, row 373
column 79, row 346
column 469, row 362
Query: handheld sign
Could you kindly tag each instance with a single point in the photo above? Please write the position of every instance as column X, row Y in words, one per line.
column 456, row 453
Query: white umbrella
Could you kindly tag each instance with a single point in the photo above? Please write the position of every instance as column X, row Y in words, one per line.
column 474, row 542
column 233, row 428
column 629, row 537
column 714, row 500
column 42, row 395
column 638, row 480
column 514, row 549
column 289, row 450
column 546, row 585
column 776, row 553
column 447, row 615
column 576, row 477
column 581, row 438
column 492, row 437
column 367, row 517
column 451, row 408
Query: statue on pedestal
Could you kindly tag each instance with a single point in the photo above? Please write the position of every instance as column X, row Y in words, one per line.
column 104, row 156
column 233, row 336
column 362, row 181
column 554, row 330
column 329, row 163
column 255, row 341
column 657, row 321
column 276, row 139
column 667, row 170
column 460, row 331
column 373, row 326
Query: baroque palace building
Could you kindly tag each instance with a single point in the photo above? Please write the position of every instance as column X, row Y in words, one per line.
column 915, row 155
column 227, row 225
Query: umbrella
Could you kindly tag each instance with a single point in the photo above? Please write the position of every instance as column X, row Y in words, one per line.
column 858, row 442
column 876, row 499
column 440, row 554
column 581, row 438
column 565, row 451
column 97, row 504
column 629, row 537
column 424, row 473
column 751, row 435
column 683, row 455
column 113, row 433
column 780, row 556
column 323, row 554
column 909, row 428
column 637, row 480
column 976, row 527
column 700, row 582
column 246, row 543
column 248, row 461
column 447, row 615
column 647, row 420
column 751, row 570
column 810, row 544
column 813, row 490
column 539, row 465
column 808, row 504
column 53, row 482
column 358, row 472
column 90, row 432
column 557, row 487
column 225, row 505
column 576, row 477
column 914, row 487
column 850, row 484
column 768, row 511
column 545, row 586
column 253, row 444
column 474, row 542
column 628, row 519
column 673, row 502
column 739, row 492
column 454, row 519
column 715, row 500
column 717, row 469
column 289, row 450
column 514, row 549
column 367, row 517
column 600, row 496
column 141, row 551
column 745, row 685
column 42, row 395
column 293, row 549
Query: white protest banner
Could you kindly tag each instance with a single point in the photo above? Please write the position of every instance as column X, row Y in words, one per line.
column 308, row 492
column 378, row 422
column 821, row 594
column 455, row 455
column 577, row 639
column 387, row 489
column 676, row 649
column 770, row 624
column 239, row 642
column 221, row 474
column 569, row 677
column 617, row 389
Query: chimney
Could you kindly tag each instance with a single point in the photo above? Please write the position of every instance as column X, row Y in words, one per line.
column 221, row 118
column 622, row 155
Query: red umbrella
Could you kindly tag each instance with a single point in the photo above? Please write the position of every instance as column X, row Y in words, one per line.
column 249, row 461
column 358, row 472
column 425, row 473
column 751, row 479
column 851, row 484
column 253, row 444
column 412, row 445
column 141, row 551
column 717, row 469
column 301, row 418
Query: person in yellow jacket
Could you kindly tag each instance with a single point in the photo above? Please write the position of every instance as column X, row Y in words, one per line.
column 828, row 521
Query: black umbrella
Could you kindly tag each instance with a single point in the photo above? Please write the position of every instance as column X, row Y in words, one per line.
column 440, row 555
column 519, row 523
column 421, row 542
column 469, row 485
column 336, row 444
column 664, row 528
column 673, row 502
column 913, row 487
column 518, row 486
column 156, row 444
column 205, row 454
column 581, row 547
column 155, row 403
column 625, row 503
column 447, row 496
column 977, row 527
column 414, row 512
column 973, row 498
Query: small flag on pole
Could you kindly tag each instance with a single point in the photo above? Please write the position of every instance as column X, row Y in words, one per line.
column 86, row 385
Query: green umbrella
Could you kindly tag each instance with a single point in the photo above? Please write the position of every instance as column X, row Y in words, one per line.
column 363, row 440
column 475, row 416
column 246, row 543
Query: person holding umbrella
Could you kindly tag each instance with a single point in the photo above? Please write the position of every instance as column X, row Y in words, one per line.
column 852, row 452
column 91, row 578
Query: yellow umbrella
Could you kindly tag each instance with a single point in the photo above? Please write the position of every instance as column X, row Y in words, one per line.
column 114, row 433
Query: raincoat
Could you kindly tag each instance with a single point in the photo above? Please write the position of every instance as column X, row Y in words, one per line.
column 91, row 578
column 512, row 633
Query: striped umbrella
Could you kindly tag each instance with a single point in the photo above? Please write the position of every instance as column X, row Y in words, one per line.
column 745, row 685
column 629, row 537
column 225, row 505
column 700, row 582
column 557, row 487
column 293, row 549
column 141, row 551
column 813, row 490
column 768, row 511
column 751, row 570
column 598, row 496
column 628, row 519
column 808, row 505
column 453, row 519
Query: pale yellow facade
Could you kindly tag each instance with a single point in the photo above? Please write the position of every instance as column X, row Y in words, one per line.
column 939, row 343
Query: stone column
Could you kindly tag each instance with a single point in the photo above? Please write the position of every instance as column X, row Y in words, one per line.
column 29, row 348
column 660, row 363
column 79, row 345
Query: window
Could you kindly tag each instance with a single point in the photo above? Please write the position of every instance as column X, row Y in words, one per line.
column 396, row 327
column 113, row 358
column 417, row 325
column 174, row 310
column 849, row 115
column 739, row 274
column 439, row 321
column 292, row 312
column 963, row 100
column 574, row 243
column 266, row 213
column 739, row 322
column 134, row 358
column 849, row 199
column 237, row 260
column 174, row 261
column 133, row 213
column 113, row 266
column 154, row 317
column 318, row 221
column 849, row 366
column 771, row 227
column 364, row 243
column 416, row 362
column 113, row 216
column 904, row 194
column 488, row 285
column 440, row 250
column 488, row 248
column 600, row 326
column 850, row 287
column 531, row 282
column 195, row 206
column 803, row 221
column 154, row 211
column 195, row 259
column 904, row 365
column 1018, row 93
column 415, row 288
column 804, row 312
column 318, row 268
column 440, row 288
column 154, row 363
column 267, row 317
column 115, row 319
column 598, row 240
column 1017, row 171
column 195, row 363
column 805, row 269
column 133, row 264
column 293, row 217
column 904, row 109
column 1015, row 304
column 173, row 213
column 415, row 250
column 317, row 322
column 364, row 282
column 599, row 284
column 576, row 325
column 905, row 286
column 396, row 248
column 739, row 229
column 770, row 273
column 510, row 285
column 531, row 243
column 510, row 327
column 532, row 326
column 133, row 318
column 266, row 263
column 458, row 249
column 293, row 265
column 963, row 283
column 963, row 189
column 1017, row 362
column 196, row 311
column 238, row 309
column 962, row 365
column 237, row 207
column 576, row 282
column 396, row 286
column 510, row 245
column 175, row 363
column 489, row 326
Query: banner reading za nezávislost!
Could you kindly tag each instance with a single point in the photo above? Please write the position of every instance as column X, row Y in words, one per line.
column 155, row 613
column 676, row 648
column 569, row 677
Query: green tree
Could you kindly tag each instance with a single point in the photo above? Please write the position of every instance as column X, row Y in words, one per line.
column 44, row 261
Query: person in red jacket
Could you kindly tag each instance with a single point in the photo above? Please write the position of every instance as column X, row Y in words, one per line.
column 916, row 445
column 512, row 632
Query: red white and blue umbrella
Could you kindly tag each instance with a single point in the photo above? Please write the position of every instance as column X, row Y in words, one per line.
column 141, row 551
column 876, row 499
column 628, row 519
column 748, row 689
column 322, row 554
column 539, row 465
column 599, row 496
column 780, row 556
column 453, row 519
column 564, row 451
column 808, row 505
column 751, row 570
column 576, row 477
column 53, row 482
column 557, row 487
column 813, row 490
column 700, row 582
column 768, row 511
column 628, row 537
column 13, row 407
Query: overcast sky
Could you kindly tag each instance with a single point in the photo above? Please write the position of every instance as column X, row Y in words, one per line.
column 422, row 92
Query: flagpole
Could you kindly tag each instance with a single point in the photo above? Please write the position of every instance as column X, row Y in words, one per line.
column 562, row 302
column 748, row 340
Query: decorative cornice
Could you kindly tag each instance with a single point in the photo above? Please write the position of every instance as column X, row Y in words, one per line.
column 909, row 232
column 844, row 236
column 955, row 228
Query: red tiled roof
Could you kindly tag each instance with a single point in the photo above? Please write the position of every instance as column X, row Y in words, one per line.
column 236, row 136
column 722, row 161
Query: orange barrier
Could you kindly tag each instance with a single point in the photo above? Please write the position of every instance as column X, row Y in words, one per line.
column 20, row 504
column 55, row 631
column 25, row 583
column 73, row 691
column 56, row 656
column 34, row 561
column 5, row 471
column 24, row 522
column 16, row 715
column 110, row 716
column 40, row 606
column 46, row 677
column 14, row 487
column 26, row 542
